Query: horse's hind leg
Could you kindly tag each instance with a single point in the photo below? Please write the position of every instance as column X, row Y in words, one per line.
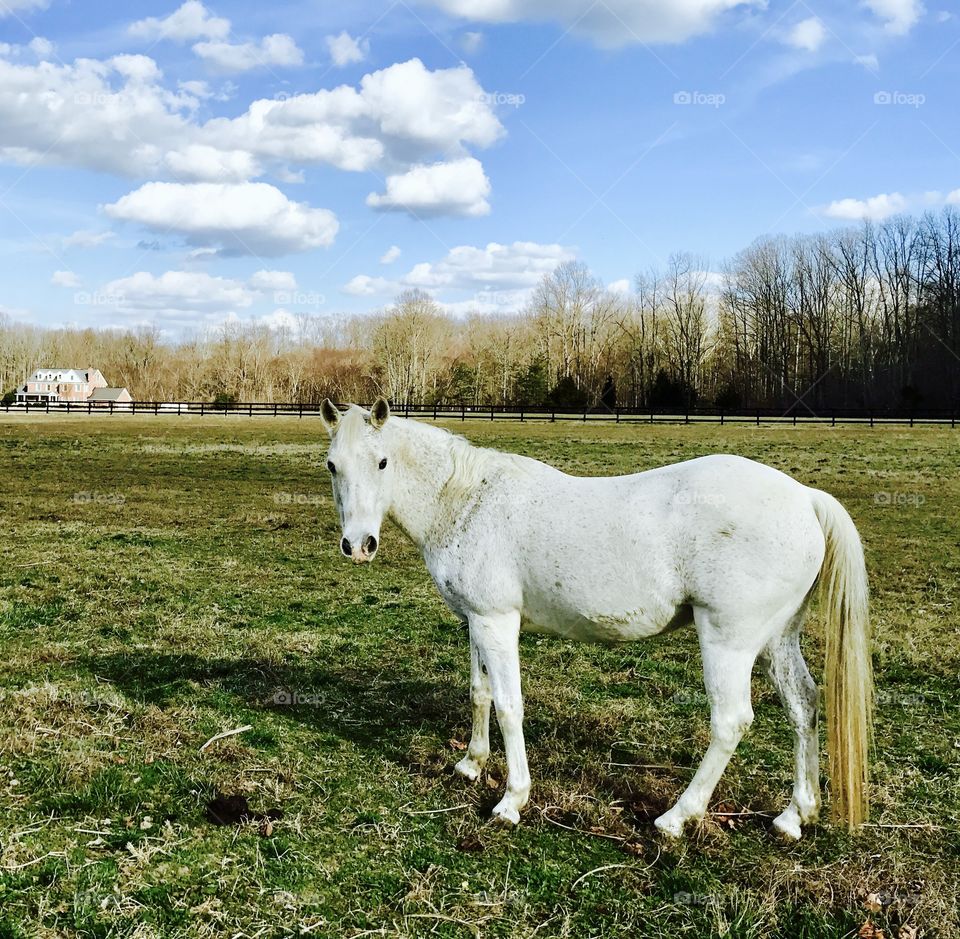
column 783, row 662
column 726, row 677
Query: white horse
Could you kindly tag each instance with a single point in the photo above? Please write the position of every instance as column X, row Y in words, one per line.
column 731, row 546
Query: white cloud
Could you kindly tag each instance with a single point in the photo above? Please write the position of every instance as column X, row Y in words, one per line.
column 876, row 208
column 204, row 163
column 239, row 218
column 138, row 69
column 459, row 187
column 280, row 319
column 10, row 7
column 40, row 47
column 363, row 285
column 612, row 23
column 65, row 279
column 273, row 280
column 808, row 34
column 497, row 275
column 191, row 21
column 345, row 50
column 99, row 115
column 899, row 16
column 623, row 286
column 116, row 116
column 494, row 267
column 86, row 239
column 177, row 293
column 471, row 42
column 277, row 50
column 390, row 255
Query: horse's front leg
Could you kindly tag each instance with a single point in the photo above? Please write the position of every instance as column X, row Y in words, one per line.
column 497, row 642
column 480, row 697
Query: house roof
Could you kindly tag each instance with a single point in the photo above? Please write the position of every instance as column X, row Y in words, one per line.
column 60, row 374
column 107, row 394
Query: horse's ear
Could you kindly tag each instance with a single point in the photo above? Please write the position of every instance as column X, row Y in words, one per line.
column 379, row 413
column 330, row 416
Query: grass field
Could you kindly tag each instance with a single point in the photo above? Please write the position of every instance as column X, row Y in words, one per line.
column 169, row 579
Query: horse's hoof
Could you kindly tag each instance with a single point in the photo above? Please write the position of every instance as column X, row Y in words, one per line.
column 788, row 825
column 506, row 815
column 469, row 769
column 671, row 826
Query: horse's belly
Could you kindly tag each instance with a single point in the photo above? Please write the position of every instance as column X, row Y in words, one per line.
column 604, row 624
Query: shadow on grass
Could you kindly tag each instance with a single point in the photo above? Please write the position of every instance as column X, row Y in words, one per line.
column 378, row 707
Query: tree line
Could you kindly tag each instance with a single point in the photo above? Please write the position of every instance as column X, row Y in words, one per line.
column 866, row 317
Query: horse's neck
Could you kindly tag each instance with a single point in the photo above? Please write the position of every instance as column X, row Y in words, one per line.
column 424, row 461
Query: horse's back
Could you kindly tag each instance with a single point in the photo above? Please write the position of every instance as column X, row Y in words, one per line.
column 622, row 557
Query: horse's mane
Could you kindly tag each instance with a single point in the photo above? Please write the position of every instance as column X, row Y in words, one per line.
column 471, row 464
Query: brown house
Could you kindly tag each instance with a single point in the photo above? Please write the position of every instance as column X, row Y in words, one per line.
column 56, row 385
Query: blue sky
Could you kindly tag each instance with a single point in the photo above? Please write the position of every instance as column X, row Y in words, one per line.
column 183, row 165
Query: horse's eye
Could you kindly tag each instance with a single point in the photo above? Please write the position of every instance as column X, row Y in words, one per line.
column 331, row 467
column 383, row 463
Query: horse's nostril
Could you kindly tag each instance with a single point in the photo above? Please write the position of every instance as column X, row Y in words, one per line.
column 370, row 544
column 345, row 547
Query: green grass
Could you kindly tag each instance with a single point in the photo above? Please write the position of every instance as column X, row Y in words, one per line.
column 165, row 580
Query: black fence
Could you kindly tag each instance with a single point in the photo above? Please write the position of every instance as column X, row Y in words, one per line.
column 798, row 414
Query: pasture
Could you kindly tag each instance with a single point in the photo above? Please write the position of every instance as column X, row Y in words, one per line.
column 169, row 579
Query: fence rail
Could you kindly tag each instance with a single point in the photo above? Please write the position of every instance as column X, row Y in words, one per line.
column 465, row 412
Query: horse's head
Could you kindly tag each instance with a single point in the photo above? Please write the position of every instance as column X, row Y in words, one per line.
column 361, row 474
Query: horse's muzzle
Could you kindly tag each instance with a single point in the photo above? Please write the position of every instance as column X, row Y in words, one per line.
column 361, row 553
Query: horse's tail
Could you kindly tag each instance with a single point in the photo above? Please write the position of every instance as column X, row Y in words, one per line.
column 848, row 672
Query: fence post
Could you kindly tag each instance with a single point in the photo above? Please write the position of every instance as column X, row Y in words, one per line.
column 618, row 415
column 491, row 412
column 201, row 409
column 833, row 417
column 758, row 417
column 434, row 410
column 721, row 417
column 300, row 410
column 871, row 418
column 521, row 413
column 463, row 411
